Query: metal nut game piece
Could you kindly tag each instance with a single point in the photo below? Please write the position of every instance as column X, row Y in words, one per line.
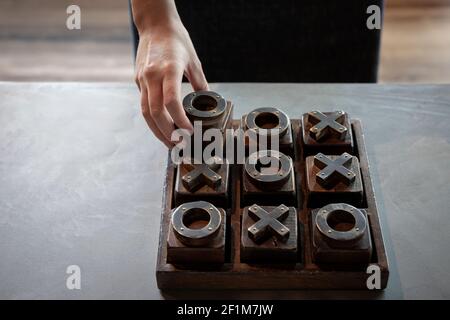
column 190, row 212
column 210, row 108
column 263, row 122
column 263, row 182
column 341, row 235
column 197, row 234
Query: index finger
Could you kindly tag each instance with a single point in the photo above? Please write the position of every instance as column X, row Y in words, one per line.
column 172, row 99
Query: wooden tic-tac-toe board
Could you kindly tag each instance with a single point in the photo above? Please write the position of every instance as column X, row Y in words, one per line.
column 310, row 224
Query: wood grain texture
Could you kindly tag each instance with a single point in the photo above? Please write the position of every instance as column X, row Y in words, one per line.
column 304, row 274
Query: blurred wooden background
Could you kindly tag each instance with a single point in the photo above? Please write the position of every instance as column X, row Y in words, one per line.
column 36, row 46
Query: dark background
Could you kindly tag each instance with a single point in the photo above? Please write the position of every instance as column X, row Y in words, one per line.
column 283, row 40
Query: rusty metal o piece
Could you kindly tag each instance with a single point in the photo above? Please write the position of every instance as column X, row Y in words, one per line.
column 268, row 181
column 195, row 211
column 353, row 234
column 215, row 110
column 283, row 122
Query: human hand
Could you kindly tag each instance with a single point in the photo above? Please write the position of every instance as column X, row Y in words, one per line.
column 164, row 54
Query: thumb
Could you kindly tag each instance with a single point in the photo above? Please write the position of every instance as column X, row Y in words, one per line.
column 196, row 77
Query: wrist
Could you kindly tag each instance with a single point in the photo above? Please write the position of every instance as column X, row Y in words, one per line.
column 155, row 15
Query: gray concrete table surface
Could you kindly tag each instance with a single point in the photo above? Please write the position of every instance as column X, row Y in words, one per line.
column 81, row 184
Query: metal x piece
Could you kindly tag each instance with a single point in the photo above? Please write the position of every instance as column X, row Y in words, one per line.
column 268, row 223
column 325, row 125
column 200, row 175
column 334, row 171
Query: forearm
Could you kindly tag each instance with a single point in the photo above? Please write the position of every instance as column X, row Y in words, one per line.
column 151, row 14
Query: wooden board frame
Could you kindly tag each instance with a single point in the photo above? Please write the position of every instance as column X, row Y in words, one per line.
column 302, row 275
